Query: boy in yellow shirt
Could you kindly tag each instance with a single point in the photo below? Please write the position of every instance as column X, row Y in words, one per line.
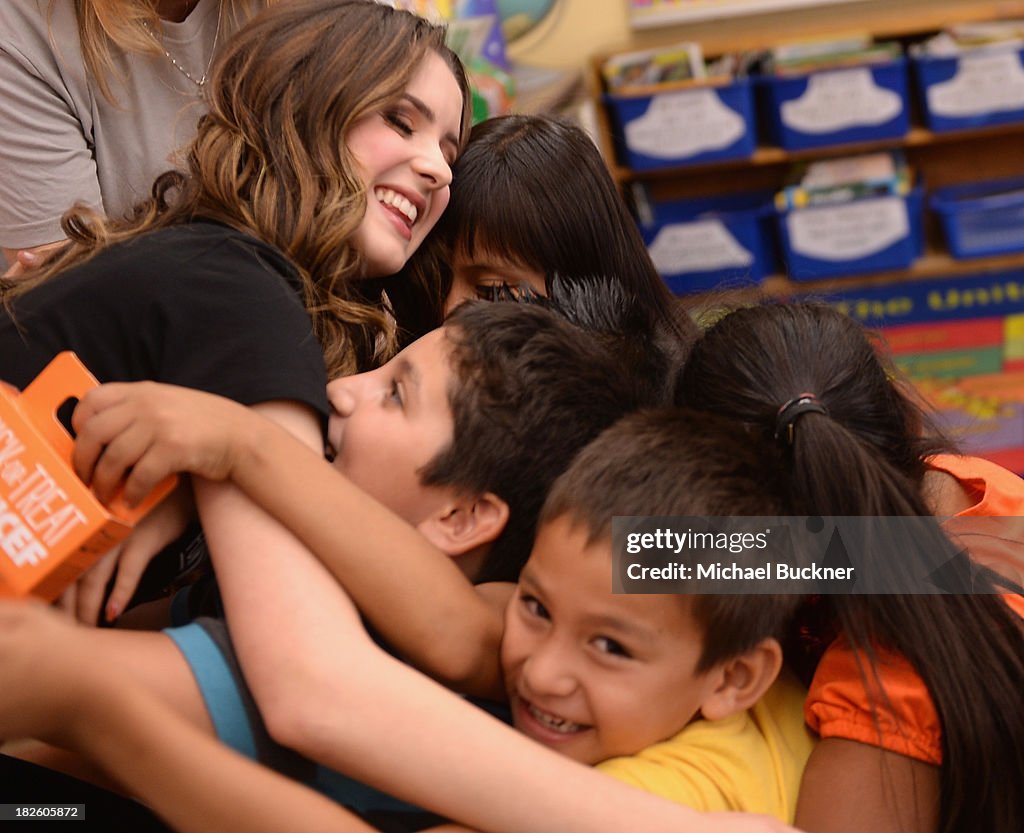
column 678, row 695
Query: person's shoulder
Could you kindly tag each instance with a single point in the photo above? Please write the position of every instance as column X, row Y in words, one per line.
column 202, row 258
column 992, row 489
column 212, row 249
column 38, row 25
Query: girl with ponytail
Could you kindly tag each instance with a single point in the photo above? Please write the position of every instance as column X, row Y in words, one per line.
column 917, row 698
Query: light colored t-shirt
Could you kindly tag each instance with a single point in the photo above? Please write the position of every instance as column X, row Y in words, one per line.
column 751, row 762
column 63, row 141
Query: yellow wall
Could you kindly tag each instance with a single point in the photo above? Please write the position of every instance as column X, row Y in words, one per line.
column 580, row 28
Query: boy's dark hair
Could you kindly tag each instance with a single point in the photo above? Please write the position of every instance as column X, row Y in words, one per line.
column 531, row 390
column 678, row 462
column 866, row 455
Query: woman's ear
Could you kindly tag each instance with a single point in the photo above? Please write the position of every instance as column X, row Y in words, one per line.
column 466, row 524
column 743, row 680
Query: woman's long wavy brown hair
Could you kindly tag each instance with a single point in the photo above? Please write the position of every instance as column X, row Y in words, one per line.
column 270, row 157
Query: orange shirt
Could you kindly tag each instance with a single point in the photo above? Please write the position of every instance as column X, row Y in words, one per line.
column 838, row 704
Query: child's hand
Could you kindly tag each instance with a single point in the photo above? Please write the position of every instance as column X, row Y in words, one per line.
column 141, row 432
column 128, row 560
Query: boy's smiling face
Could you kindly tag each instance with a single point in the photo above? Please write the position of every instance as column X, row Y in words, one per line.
column 388, row 423
column 589, row 673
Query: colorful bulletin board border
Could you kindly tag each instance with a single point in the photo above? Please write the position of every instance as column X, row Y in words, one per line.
column 651, row 13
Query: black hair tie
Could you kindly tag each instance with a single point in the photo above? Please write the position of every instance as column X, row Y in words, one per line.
column 791, row 411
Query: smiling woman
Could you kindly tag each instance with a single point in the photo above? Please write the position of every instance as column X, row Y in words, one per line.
column 241, row 274
column 404, row 156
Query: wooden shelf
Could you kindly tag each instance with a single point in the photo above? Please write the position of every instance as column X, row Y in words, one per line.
column 933, row 265
column 936, row 159
column 768, row 156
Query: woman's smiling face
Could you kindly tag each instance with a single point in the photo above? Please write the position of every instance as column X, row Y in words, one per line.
column 404, row 156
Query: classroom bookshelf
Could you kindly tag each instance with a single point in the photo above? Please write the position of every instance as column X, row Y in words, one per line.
column 956, row 325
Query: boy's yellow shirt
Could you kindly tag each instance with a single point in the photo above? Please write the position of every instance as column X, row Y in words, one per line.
column 752, row 761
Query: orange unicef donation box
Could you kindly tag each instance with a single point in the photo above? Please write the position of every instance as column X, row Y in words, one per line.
column 52, row 527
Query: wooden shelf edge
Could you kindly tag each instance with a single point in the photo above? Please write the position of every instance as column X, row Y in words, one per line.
column 933, row 266
column 767, row 155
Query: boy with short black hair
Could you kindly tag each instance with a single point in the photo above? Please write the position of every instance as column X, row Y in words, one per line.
column 677, row 694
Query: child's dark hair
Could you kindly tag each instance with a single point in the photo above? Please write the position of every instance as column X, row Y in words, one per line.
column 535, row 191
column 531, row 390
column 672, row 462
column 859, row 448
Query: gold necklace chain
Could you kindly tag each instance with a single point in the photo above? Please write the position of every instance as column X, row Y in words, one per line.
column 199, row 82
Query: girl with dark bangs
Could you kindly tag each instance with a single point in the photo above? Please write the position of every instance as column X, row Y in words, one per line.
column 917, row 697
column 532, row 199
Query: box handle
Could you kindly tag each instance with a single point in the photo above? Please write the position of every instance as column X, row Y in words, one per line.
column 65, row 377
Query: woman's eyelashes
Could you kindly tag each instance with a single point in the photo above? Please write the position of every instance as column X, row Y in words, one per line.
column 399, row 121
column 405, row 125
column 395, row 393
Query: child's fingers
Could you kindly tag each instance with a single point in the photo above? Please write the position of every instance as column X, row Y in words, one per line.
column 96, row 401
column 165, row 523
column 67, row 602
column 136, row 554
column 124, row 451
column 95, row 429
column 92, row 587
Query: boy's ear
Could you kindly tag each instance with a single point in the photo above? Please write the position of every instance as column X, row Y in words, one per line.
column 741, row 681
column 466, row 523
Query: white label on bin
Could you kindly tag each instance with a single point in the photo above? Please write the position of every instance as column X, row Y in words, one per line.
column 990, row 82
column 683, row 124
column 848, row 232
column 838, row 100
column 700, row 246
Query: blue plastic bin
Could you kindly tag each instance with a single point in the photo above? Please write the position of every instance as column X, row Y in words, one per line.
column 983, row 218
column 685, row 126
column 979, row 88
column 873, row 234
column 835, row 107
column 703, row 243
